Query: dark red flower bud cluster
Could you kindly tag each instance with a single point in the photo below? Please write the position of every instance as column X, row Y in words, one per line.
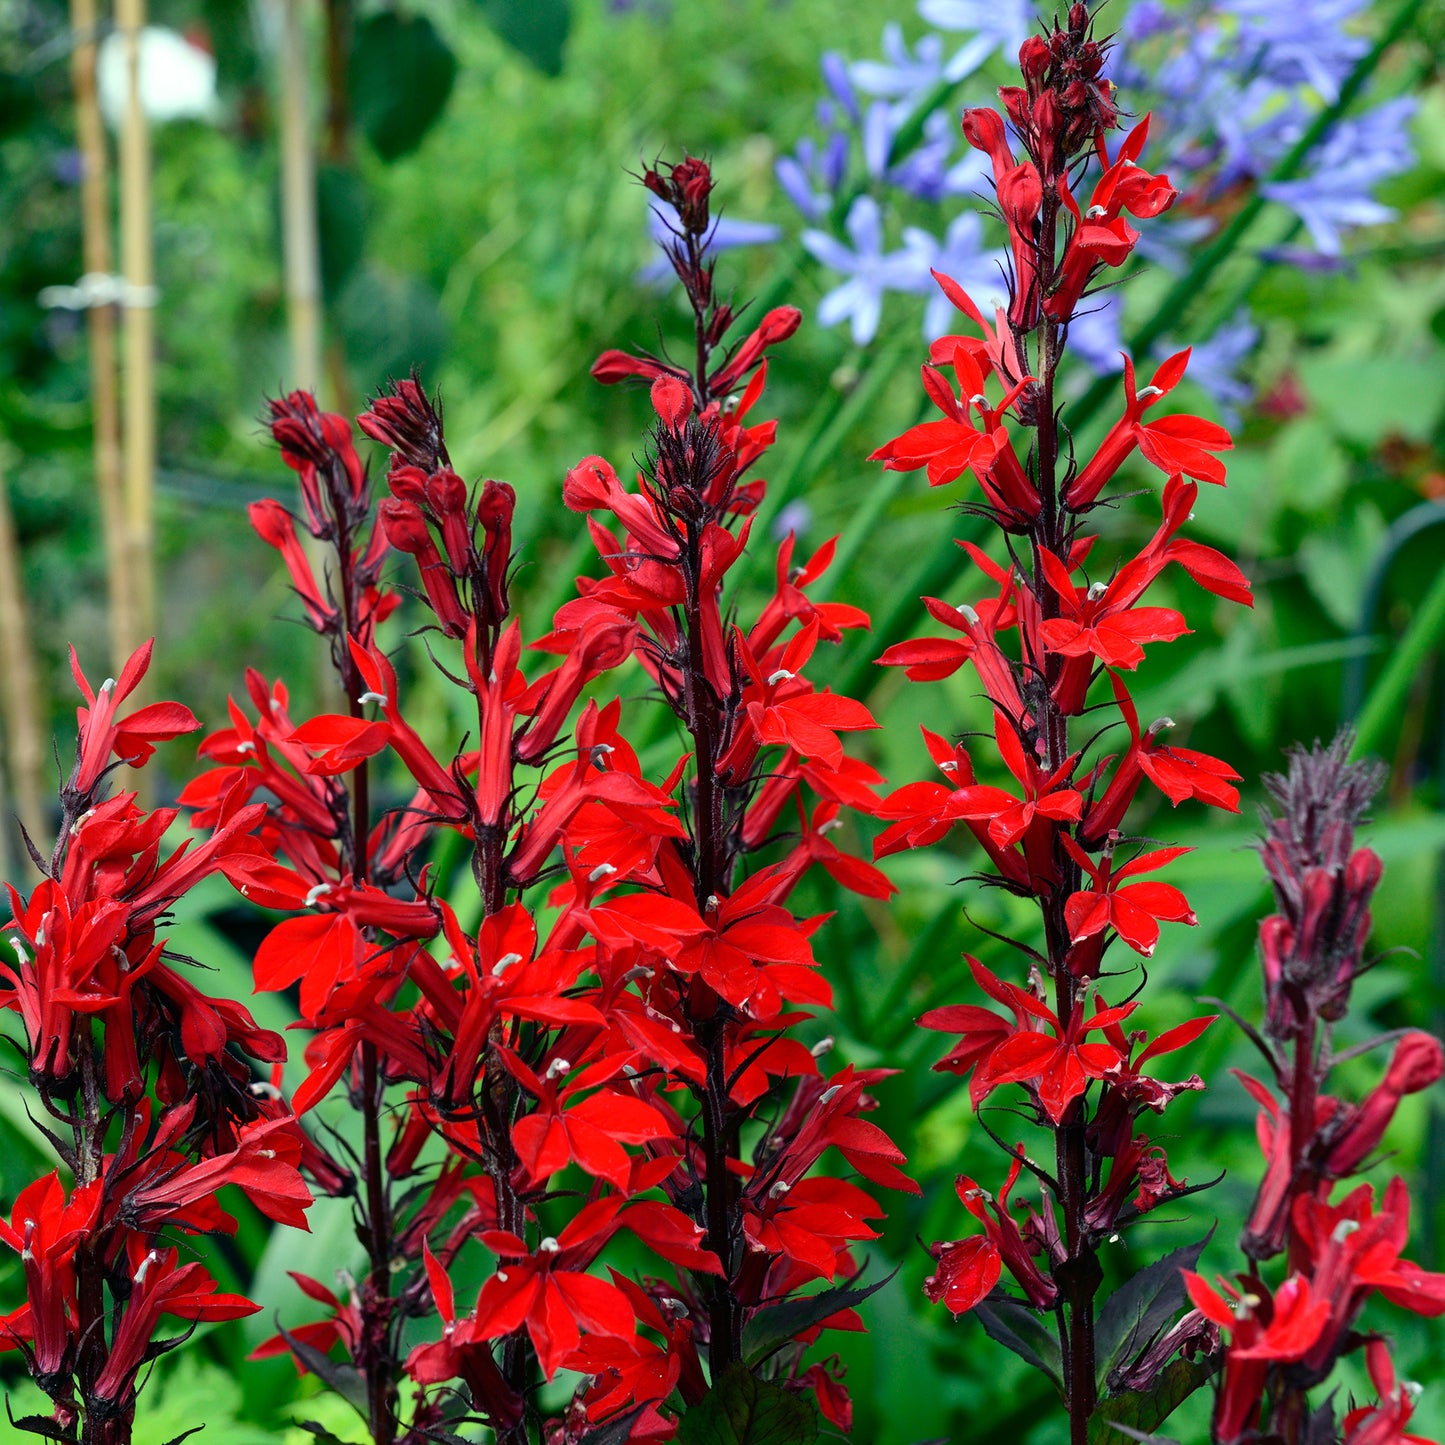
column 1287, row 1338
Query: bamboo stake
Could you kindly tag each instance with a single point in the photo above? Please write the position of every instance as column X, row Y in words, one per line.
column 137, row 307
column 298, row 207
column 100, row 329
column 19, row 691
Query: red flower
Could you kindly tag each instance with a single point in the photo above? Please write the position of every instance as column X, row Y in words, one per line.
column 548, row 1292
column 1173, row 443
column 130, row 738
column 1263, row 1330
column 1132, row 910
column 966, row 1271
column 45, row 1229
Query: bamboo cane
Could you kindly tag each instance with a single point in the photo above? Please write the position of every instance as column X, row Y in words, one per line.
column 137, row 309
column 19, row 690
column 100, row 329
column 298, row 206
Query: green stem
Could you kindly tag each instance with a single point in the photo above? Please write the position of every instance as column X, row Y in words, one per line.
column 1387, row 698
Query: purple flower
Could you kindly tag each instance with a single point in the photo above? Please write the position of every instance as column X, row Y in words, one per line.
column 870, row 270
column 963, row 257
column 725, row 235
column 880, row 126
column 1360, row 152
column 795, row 517
column 930, row 172
column 1300, row 44
column 996, row 25
column 811, row 175
column 905, row 76
column 835, row 77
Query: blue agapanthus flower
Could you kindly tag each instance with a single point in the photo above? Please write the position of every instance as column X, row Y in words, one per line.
column 1233, row 85
column 870, row 268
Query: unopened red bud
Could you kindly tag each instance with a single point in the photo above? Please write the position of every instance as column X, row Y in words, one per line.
column 983, row 130
column 1363, row 871
column 1078, row 17
column 1034, row 57
column 405, row 527
column 672, row 401
column 407, row 482
column 1016, row 103
column 1048, row 128
column 446, row 494
column 722, row 318
column 496, row 506
column 1418, row 1062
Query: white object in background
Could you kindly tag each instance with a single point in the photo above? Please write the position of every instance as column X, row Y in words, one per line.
column 177, row 77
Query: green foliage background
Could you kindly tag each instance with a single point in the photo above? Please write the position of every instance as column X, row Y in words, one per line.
column 493, row 237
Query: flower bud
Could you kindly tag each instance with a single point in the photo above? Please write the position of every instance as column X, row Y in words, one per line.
column 1034, row 58
column 446, row 494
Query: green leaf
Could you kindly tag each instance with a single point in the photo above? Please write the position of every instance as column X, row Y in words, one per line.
column 771, row 1329
column 536, row 29
column 346, row 1380
column 322, row 1434
column 1146, row 1410
column 1368, row 398
column 741, row 1409
column 1018, row 1328
column 401, row 75
column 1140, row 1308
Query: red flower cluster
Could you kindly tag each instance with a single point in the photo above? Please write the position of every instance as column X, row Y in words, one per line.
column 148, row 1080
column 599, row 1053
column 1054, row 637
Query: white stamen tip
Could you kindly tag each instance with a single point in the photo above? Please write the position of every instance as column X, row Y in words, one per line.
column 319, row 891
column 781, row 675
column 504, row 963
column 1344, row 1229
column 246, row 747
column 829, row 826
column 602, row 870
column 107, row 685
column 828, row 1093
column 1159, row 724
column 710, row 904
column 1097, row 590
column 822, row 1046
column 1147, row 392
column 549, row 1246
column 1094, row 212
column 980, row 401
column 377, row 697
column 970, row 616
column 558, row 1067
column 779, row 1189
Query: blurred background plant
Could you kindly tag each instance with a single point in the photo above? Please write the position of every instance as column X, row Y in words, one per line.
column 342, row 190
